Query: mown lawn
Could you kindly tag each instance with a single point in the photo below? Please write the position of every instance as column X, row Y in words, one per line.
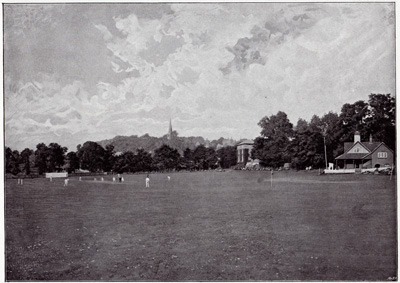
column 205, row 226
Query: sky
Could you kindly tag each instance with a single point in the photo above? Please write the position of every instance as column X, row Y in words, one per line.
column 88, row 72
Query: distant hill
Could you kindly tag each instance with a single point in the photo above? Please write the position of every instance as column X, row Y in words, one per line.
column 149, row 143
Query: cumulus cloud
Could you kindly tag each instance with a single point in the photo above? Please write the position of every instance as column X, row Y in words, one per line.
column 51, row 110
column 216, row 70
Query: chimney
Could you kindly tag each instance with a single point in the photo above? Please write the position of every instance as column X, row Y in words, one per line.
column 357, row 137
column 370, row 138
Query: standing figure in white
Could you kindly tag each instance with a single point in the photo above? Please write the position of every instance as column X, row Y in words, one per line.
column 147, row 181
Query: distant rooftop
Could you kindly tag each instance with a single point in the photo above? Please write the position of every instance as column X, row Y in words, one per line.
column 245, row 142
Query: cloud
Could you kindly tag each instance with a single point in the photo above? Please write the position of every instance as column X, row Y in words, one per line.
column 215, row 69
column 49, row 111
column 103, row 29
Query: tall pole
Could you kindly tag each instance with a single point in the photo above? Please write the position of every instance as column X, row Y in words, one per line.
column 324, row 129
column 326, row 159
column 272, row 173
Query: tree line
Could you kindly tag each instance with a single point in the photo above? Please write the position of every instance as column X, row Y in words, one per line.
column 302, row 145
column 150, row 143
column 279, row 142
column 93, row 157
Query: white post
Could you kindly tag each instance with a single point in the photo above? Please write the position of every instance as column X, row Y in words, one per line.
column 272, row 173
column 326, row 159
column 391, row 172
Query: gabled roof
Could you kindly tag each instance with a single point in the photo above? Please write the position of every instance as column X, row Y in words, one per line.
column 347, row 155
column 370, row 146
column 379, row 145
column 353, row 156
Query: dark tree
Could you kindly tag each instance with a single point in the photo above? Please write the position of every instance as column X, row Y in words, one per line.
column 205, row 158
column 333, row 139
column 91, row 156
column 109, row 158
column 199, row 157
column 307, row 146
column 142, row 161
column 12, row 161
column 352, row 118
column 166, row 157
column 25, row 160
column 381, row 118
column 187, row 159
column 227, row 156
column 73, row 161
column 124, row 162
column 272, row 147
column 276, row 126
column 56, row 157
column 42, row 157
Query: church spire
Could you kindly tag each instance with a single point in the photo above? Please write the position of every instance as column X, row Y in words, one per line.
column 169, row 136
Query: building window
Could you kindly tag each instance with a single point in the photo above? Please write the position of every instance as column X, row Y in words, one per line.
column 382, row 154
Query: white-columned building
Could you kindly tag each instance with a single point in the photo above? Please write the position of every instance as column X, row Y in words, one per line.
column 243, row 151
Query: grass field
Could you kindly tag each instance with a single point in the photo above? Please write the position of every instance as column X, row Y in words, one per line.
column 204, row 226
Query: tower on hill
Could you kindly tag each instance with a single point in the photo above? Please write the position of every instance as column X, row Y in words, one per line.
column 169, row 135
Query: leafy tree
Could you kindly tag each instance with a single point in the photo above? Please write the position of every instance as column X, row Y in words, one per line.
column 300, row 146
column 42, row 156
column 351, row 119
column 124, row 162
column 73, row 161
column 49, row 158
column 142, row 161
column 91, row 156
column 188, row 154
column 187, row 159
column 334, row 145
column 301, row 127
column 227, row 156
column 215, row 143
column 25, row 159
column 381, row 118
column 276, row 126
column 272, row 147
column 109, row 158
column 129, row 161
column 56, row 156
column 12, row 161
column 205, row 158
column 307, row 146
column 211, row 158
column 166, row 157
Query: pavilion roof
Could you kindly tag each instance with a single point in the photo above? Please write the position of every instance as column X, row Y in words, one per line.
column 353, row 156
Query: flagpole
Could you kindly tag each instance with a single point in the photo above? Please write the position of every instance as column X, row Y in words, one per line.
column 272, row 173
